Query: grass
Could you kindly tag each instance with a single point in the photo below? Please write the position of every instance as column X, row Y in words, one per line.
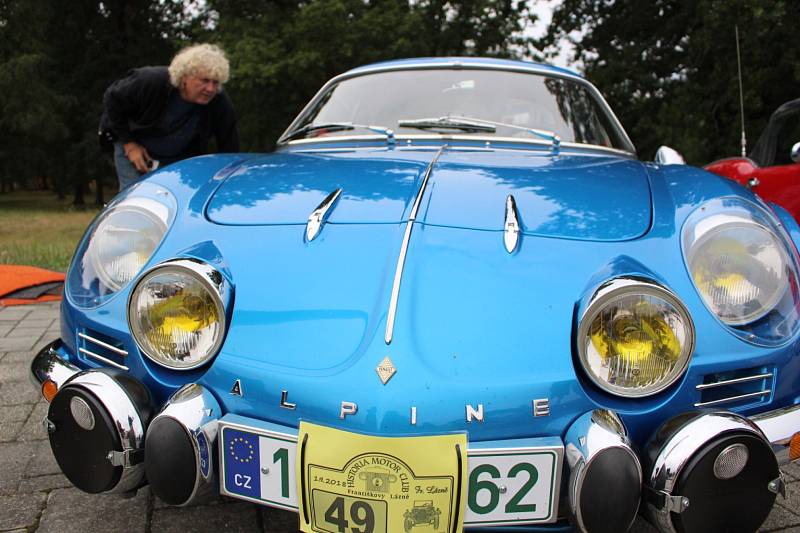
column 37, row 229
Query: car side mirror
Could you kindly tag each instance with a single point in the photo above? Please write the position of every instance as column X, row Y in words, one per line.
column 796, row 152
column 668, row 156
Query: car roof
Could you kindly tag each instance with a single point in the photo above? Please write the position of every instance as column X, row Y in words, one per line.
column 464, row 61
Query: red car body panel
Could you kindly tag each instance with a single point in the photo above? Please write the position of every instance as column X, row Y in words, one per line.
column 779, row 184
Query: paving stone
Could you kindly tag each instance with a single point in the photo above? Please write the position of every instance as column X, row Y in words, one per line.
column 239, row 517
column 20, row 510
column 43, row 313
column 40, row 460
column 5, row 327
column 14, row 371
column 44, row 483
column 10, row 430
column 15, row 413
column 13, row 313
column 18, row 392
column 781, row 519
column 278, row 521
column 41, row 323
column 13, row 458
column 792, row 470
column 73, row 510
column 22, row 330
column 13, row 344
column 33, row 429
column 25, row 356
column 792, row 500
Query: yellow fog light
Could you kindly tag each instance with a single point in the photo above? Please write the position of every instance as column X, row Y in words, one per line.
column 635, row 338
column 177, row 315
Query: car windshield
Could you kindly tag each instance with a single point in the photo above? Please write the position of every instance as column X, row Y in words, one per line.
column 456, row 101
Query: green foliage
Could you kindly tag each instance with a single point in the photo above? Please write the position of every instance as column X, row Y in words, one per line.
column 282, row 52
column 668, row 67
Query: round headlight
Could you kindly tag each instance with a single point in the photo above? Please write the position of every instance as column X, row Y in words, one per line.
column 119, row 243
column 123, row 242
column 635, row 338
column 176, row 313
column 744, row 268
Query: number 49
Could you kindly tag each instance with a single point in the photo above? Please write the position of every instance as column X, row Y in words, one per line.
column 336, row 515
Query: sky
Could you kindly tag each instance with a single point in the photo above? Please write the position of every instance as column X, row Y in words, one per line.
column 544, row 12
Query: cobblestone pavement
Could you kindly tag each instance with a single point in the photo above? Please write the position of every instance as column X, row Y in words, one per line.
column 35, row 496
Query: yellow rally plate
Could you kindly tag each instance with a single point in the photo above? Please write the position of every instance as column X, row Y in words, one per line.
column 352, row 483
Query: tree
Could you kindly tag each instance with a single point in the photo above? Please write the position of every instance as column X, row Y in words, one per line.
column 668, row 67
column 282, row 52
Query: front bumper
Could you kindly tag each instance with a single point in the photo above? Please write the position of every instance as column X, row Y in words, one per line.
column 594, row 448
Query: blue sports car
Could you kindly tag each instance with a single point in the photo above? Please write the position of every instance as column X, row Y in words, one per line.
column 453, row 298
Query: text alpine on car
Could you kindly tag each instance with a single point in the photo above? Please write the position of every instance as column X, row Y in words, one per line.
column 453, row 283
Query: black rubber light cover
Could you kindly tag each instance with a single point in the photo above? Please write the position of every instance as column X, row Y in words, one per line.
column 83, row 454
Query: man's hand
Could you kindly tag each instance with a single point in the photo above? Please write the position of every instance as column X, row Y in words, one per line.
column 137, row 154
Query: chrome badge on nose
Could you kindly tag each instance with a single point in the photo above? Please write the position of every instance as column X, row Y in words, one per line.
column 386, row 370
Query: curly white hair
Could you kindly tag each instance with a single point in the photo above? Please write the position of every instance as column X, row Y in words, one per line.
column 200, row 59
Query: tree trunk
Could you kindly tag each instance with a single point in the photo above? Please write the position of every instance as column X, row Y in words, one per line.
column 79, row 201
column 98, row 191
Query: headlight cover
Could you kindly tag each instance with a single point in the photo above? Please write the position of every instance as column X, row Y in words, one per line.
column 118, row 244
column 745, row 269
column 177, row 313
column 635, row 338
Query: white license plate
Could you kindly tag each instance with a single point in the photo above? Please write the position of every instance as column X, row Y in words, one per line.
column 515, row 485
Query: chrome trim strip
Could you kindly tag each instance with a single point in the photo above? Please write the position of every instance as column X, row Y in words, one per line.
column 457, row 137
column 511, row 227
column 704, row 386
column 319, row 216
column 107, row 346
column 102, row 359
column 733, row 398
column 529, row 69
column 401, row 260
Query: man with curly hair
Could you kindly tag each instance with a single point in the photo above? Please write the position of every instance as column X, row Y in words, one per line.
column 158, row 115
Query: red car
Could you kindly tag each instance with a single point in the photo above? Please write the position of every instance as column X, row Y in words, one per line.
column 772, row 169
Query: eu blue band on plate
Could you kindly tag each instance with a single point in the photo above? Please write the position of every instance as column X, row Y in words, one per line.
column 241, row 463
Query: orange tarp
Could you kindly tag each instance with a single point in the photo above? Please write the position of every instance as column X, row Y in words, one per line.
column 25, row 284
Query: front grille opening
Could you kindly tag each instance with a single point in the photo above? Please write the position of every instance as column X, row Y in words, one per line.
column 736, row 388
column 103, row 349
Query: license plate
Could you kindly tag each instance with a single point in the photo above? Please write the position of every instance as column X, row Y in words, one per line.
column 508, row 482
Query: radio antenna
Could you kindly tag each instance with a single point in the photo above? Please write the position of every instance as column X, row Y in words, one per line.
column 741, row 94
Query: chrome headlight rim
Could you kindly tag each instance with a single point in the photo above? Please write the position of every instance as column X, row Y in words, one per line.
column 626, row 286
column 213, row 281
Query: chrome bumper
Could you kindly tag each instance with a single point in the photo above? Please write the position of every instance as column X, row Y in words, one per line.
column 48, row 365
column 779, row 426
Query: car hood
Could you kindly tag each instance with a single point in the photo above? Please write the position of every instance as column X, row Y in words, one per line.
column 585, row 196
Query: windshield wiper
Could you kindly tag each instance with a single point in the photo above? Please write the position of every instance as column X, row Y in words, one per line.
column 554, row 138
column 479, row 125
column 339, row 126
column 447, row 123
